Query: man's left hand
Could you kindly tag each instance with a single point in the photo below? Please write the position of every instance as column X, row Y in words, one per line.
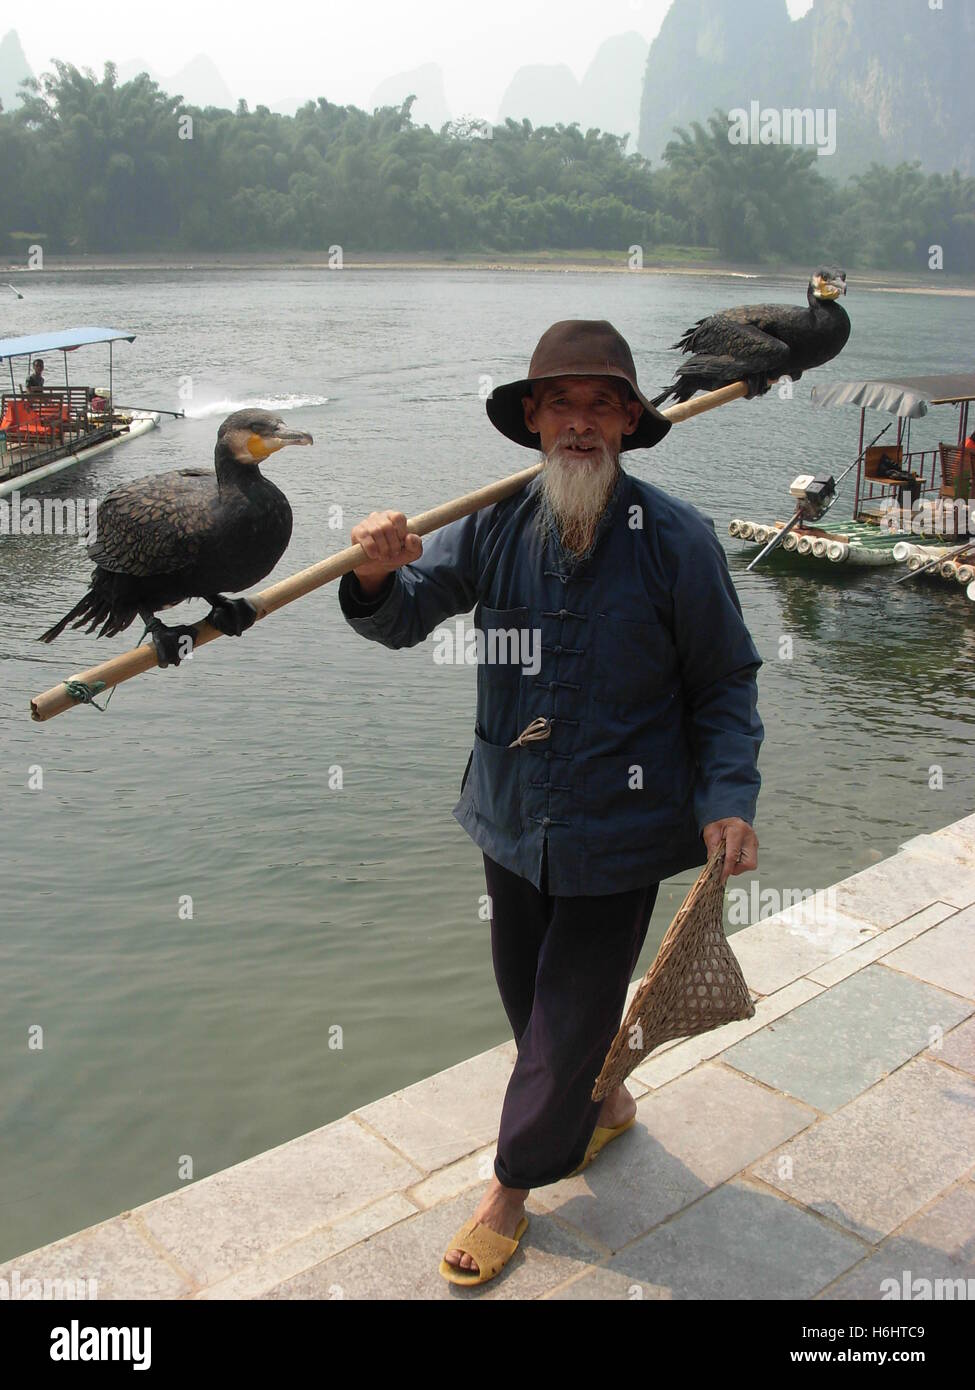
column 741, row 844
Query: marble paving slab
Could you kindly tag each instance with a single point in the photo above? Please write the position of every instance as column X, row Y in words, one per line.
column 848, row 1037
column 740, row 1242
column 690, row 1136
column 876, row 1162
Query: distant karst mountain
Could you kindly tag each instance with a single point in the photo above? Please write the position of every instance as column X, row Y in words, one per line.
column 426, row 84
column 608, row 95
column 542, row 93
column 289, row 106
column 611, row 86
column 199, row 82
column 898, row 73
column 712, row 53
column 14, row 68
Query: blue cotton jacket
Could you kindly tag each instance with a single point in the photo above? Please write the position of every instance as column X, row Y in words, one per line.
column 641, row 660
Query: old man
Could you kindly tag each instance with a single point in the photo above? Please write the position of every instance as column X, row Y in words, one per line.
column 623, row 760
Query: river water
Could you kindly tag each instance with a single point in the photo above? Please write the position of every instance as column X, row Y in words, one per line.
column 318, row 908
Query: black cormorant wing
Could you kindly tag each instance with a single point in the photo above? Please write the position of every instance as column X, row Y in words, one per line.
column 156, row 525
column 747, row 335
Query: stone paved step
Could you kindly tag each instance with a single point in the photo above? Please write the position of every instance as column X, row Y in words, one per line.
column 813, row 1151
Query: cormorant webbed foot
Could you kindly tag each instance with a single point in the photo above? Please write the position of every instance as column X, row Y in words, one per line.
column 757, row 385
column 231, row 616
column 169, row 642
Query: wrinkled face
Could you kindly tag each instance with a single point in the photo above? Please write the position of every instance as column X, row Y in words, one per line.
column 580, row 413
column 253, row 435
column 581, row 422
column 828, row 283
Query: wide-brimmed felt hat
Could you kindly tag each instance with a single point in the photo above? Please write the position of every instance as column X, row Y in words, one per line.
column 575, row 347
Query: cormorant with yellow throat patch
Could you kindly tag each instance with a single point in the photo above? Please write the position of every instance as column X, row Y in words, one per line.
column 191, row 533
column 759, row 343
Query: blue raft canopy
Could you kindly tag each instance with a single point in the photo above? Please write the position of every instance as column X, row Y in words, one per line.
column 907, row 396
column 64, row 341
column 45, row 429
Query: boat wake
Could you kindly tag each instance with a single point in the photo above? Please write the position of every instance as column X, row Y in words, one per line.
column 227, row 407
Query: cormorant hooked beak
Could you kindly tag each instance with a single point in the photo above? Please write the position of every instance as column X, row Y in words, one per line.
column 284, row 435
column 829, row 285
column 260, row 446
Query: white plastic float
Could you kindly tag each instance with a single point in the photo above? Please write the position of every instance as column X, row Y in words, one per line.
column 866, row 544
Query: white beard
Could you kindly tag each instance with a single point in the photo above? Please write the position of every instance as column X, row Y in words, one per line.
column 574, row 494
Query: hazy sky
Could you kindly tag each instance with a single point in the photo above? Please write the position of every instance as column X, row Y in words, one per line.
column 292, row 48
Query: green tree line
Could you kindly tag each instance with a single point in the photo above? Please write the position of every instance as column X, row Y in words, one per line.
column 94, row 165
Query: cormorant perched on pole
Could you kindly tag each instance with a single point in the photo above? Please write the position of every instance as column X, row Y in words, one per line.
column 758, row 343
column 188, row 534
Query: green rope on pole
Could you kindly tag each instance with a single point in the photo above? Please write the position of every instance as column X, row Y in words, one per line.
column 85, row 694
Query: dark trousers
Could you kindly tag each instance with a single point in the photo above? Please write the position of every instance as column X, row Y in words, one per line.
column 563, row 966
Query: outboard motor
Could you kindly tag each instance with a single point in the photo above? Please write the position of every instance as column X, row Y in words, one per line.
column 814, row 495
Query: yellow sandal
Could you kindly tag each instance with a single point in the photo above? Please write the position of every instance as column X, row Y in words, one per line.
column 491, row 1250
column 601, row 1137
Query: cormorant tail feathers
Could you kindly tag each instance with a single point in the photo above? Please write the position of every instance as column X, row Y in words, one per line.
column 96, row 607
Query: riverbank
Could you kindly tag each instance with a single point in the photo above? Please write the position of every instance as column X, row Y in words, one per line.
column 822, row 1149
column 693, row 261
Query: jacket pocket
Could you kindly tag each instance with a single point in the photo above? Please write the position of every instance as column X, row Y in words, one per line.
column 495, row 784
column 499, row 672
column 633, row 662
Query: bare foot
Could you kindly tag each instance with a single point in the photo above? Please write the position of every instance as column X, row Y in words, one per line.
column 617, row 1109
column 500, row 1209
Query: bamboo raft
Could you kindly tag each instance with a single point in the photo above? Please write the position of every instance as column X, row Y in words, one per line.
column 956, row 570
column 847, row 542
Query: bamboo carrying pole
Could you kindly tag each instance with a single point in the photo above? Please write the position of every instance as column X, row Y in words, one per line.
column 132, row 663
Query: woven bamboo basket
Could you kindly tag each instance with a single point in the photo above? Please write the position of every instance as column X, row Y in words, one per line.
column 694, row 984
